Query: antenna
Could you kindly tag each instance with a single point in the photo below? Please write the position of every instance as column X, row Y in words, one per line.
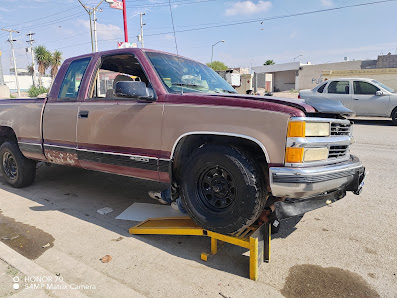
column 176, row 44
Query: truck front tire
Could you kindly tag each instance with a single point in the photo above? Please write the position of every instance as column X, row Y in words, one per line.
column 17, row 170
column 223, row 190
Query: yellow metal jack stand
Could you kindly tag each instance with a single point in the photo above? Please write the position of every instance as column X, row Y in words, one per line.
column 255, row 238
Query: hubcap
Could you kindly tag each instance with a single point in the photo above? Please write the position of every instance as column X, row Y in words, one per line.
column 10, row 165
column 216, row 188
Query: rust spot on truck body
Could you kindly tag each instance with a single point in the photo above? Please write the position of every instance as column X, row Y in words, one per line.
column 61, row 158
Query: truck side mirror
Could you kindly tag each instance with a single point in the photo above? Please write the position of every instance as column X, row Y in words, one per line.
column 379, row 93
column 133, row 89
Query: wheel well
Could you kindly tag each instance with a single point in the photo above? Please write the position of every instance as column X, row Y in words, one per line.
column 188, row 144
column 395, row 109
column 7, row 134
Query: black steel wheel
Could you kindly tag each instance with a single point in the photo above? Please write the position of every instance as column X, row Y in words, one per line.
column 17, row 170
column 223, row 190
column 10, row 166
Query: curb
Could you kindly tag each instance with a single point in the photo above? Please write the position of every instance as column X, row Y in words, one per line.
column 29, row 268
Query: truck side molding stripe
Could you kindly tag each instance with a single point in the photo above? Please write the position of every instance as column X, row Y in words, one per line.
column 114, row 158
column 220, row 134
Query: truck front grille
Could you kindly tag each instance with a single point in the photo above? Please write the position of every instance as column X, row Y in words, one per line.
column 338, row 151
column 340, row 129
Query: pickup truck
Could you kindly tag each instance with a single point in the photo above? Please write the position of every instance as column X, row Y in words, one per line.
column 157, row 116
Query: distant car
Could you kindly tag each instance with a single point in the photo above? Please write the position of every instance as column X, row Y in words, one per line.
column 366, row 97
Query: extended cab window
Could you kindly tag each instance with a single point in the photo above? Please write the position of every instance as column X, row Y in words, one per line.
column 71, row 83
column 338, row 87
column 364, row 88
column 114, row 69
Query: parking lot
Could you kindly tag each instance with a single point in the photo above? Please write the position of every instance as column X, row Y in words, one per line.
column 347, row 248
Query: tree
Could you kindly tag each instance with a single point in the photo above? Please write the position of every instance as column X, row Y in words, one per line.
column 30, row 69
column 55, row 63
column 269, row 62
column 218, row 65
column 43, row 59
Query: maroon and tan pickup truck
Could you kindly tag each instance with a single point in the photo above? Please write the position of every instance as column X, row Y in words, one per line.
column 158, row 116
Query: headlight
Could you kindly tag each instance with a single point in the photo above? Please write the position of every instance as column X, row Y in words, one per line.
column 298, row 155
column 315, row 154
column 303, row 129
column 319, row 129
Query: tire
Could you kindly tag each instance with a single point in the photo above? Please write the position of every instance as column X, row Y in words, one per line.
column 223, row 190
column 17, row 170
column 394, row 116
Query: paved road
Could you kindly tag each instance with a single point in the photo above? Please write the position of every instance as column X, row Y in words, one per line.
column 346, row 248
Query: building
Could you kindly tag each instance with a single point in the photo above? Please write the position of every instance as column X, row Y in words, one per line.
column 298, row 76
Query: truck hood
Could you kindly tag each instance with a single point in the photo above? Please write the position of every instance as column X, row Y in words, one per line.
column 325, row 106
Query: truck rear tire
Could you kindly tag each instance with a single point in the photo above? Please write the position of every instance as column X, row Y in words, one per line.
column 223, row 190
column 17, row 170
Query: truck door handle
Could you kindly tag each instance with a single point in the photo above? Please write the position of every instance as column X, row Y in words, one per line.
column 83, row 114
column 355, row 98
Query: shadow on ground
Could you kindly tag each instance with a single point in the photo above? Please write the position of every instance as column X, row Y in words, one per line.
column 80, row 193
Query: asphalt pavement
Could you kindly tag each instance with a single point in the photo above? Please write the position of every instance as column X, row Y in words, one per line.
column 51, row 236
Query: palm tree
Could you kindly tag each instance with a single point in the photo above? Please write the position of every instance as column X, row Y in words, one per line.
column 55, row 63
column 269, row 62
column 43, row 59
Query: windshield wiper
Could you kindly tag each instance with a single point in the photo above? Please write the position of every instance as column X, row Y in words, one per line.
column 186, row 84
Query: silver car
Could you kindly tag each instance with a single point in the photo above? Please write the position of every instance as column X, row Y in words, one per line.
column 366, row 97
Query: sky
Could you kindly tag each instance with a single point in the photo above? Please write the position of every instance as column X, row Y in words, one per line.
column 252, row 30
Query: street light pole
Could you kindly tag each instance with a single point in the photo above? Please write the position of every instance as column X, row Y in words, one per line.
column 298, row 57
column 212, row 54
column 92, row 14
column 11, row 41
column 142, row 24
column 31, row 41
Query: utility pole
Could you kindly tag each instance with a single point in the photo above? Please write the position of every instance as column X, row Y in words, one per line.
column 92, row 14
column 11, row 41
column 31, row 41
column 142, row 24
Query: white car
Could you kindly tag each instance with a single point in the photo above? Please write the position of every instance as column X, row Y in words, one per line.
column 365, row 97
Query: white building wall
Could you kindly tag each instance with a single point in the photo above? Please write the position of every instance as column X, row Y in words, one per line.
column 25, row 82
column 284, row 80
column 311, row 75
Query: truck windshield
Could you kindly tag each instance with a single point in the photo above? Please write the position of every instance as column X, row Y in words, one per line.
column 179, row 73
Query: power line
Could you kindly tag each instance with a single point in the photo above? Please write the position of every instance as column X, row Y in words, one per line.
column 36, row 19
column 273, row 18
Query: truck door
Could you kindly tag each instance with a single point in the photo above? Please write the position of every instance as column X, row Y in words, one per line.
column 117, row 134
column 339, row 90
column 366, row 102
column 60, row 114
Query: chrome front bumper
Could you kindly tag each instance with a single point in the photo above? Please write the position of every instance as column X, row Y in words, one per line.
column 301, row 183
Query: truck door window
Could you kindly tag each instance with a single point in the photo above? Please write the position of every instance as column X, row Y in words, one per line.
column 71, row 83
column 114, row 69
column 338, row 87
column 364, row 88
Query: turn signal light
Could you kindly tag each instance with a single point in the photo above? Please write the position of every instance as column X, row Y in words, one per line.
column 294, row 155
column 296, row 129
